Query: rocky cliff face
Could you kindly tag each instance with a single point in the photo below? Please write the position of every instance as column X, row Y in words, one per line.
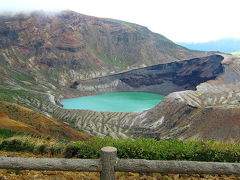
column 211, row 112
column 162, row 78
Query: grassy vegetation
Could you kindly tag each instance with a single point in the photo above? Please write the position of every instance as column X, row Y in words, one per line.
column 9, row 144
column 6, row 133
column 21, row 77
column 141, row 148
column 23, row 142
column 8, row 95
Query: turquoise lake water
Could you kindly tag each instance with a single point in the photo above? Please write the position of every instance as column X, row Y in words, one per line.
column 115, row 102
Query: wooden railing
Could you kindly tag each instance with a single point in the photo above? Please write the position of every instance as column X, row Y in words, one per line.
column 108, row 164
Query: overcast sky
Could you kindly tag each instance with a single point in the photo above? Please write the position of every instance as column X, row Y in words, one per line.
column 178, row 20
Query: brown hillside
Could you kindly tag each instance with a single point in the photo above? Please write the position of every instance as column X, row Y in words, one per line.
column 19, row 118
column 7, row 123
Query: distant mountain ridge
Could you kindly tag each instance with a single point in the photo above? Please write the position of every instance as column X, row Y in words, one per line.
column 226, row 45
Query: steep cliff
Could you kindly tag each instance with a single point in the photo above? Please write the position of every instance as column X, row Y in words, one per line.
column 162, row 78
column 211, row 112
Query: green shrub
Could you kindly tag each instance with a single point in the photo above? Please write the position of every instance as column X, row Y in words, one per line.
column 55, row 149
column 143, row 148
column 40, row 149
column 16, row 145
column 6, row 133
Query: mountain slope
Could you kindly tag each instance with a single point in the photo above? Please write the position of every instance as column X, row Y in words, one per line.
column 15, row 117
column 60, row 48
column 211, row 112
column 7, row 123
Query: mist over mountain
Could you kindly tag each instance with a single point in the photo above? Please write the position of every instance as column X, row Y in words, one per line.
column 226, row 45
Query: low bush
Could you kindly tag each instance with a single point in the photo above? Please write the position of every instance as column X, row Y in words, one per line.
column 56, row 148
column 40, row 149
column 151, row 149
column 141, row 148
column 16, row 145
column 6, row 133
column 29, row 143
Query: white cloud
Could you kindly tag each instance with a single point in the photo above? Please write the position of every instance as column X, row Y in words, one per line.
column 179, row 20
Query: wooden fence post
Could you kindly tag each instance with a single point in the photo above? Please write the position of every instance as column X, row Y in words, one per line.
column 108, row 156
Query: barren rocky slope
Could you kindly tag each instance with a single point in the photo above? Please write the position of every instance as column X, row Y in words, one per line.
column 211, row 112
